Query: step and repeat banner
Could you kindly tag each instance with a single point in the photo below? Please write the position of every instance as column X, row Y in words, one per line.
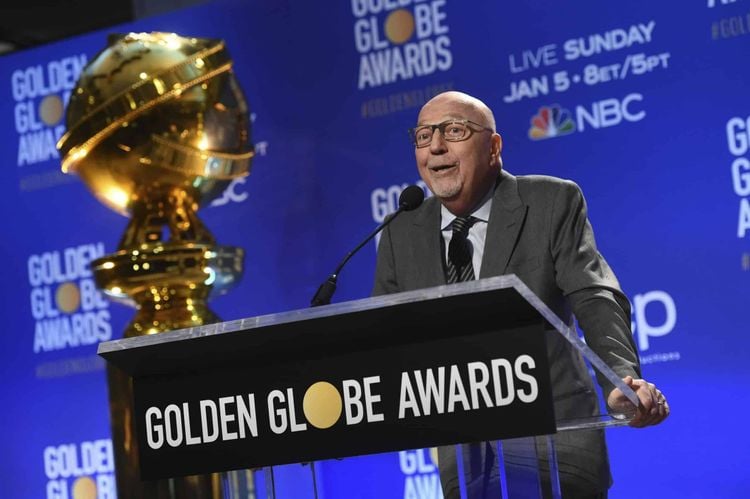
column 644, row 105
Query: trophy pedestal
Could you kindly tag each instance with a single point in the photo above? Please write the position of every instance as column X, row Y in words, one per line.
column 169, row 284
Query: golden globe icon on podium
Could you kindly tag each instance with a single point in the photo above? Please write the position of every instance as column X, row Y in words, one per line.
column 157, row 127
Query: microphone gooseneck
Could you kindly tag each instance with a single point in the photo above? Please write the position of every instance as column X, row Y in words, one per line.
column 410, row 199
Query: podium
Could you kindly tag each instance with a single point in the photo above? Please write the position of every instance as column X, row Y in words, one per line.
column 463, row 367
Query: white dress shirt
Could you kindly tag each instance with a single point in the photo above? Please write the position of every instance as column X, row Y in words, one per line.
column 477, row 232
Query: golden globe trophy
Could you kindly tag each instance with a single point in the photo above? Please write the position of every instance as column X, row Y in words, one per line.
column 157, row 127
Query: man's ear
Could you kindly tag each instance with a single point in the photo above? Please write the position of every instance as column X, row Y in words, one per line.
column 496, row 147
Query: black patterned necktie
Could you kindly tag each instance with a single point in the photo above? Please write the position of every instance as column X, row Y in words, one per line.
column 459, row 267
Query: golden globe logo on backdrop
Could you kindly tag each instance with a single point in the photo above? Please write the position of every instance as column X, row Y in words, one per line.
column 400, row 40
column 421, row 478
column 83, row 470
column 67, row 309
column 40, row 92
column 738, row 142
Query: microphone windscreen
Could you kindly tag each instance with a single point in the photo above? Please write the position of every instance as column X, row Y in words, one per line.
column 411, row 198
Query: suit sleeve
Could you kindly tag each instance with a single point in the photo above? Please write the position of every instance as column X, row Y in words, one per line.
column 599, row 305
column 385, row 268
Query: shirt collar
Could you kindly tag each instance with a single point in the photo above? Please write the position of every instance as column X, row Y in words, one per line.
column 482, row 213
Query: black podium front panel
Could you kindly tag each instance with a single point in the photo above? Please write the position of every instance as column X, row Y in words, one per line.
column 405, row 371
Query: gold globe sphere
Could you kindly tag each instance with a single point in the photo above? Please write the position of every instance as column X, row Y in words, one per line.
column 153, row 113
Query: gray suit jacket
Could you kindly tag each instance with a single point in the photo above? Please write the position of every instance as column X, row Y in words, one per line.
column 538, row 230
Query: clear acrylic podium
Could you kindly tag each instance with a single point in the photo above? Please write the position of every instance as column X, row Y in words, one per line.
column 462, row 367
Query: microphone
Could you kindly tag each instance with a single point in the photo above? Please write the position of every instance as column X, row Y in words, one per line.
column 410, row 199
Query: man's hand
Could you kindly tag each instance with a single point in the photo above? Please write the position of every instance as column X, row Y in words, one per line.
column 653, row 408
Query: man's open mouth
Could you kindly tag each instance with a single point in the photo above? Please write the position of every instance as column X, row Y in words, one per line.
column 440, row 168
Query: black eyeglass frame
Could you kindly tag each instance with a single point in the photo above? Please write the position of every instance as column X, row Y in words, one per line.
column 441, row 128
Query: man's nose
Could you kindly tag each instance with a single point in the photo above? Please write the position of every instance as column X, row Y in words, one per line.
column 438, row 143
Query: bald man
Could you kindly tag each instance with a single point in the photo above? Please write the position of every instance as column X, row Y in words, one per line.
column 483, row 222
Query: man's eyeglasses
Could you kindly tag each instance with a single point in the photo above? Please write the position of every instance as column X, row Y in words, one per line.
column 451, row 130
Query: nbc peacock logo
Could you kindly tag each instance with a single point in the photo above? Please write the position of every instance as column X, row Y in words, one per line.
column 551, row 121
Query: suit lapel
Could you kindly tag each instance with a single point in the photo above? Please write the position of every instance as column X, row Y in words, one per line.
column 506, row 221
column 427, row 257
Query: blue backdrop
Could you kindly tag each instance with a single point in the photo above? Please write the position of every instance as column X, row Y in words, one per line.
column 643, row 104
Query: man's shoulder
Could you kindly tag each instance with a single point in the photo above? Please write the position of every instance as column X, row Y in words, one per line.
column 543, row 181
column 533, row 187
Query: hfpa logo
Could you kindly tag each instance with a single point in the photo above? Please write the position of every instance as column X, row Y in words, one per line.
column 654, row 315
